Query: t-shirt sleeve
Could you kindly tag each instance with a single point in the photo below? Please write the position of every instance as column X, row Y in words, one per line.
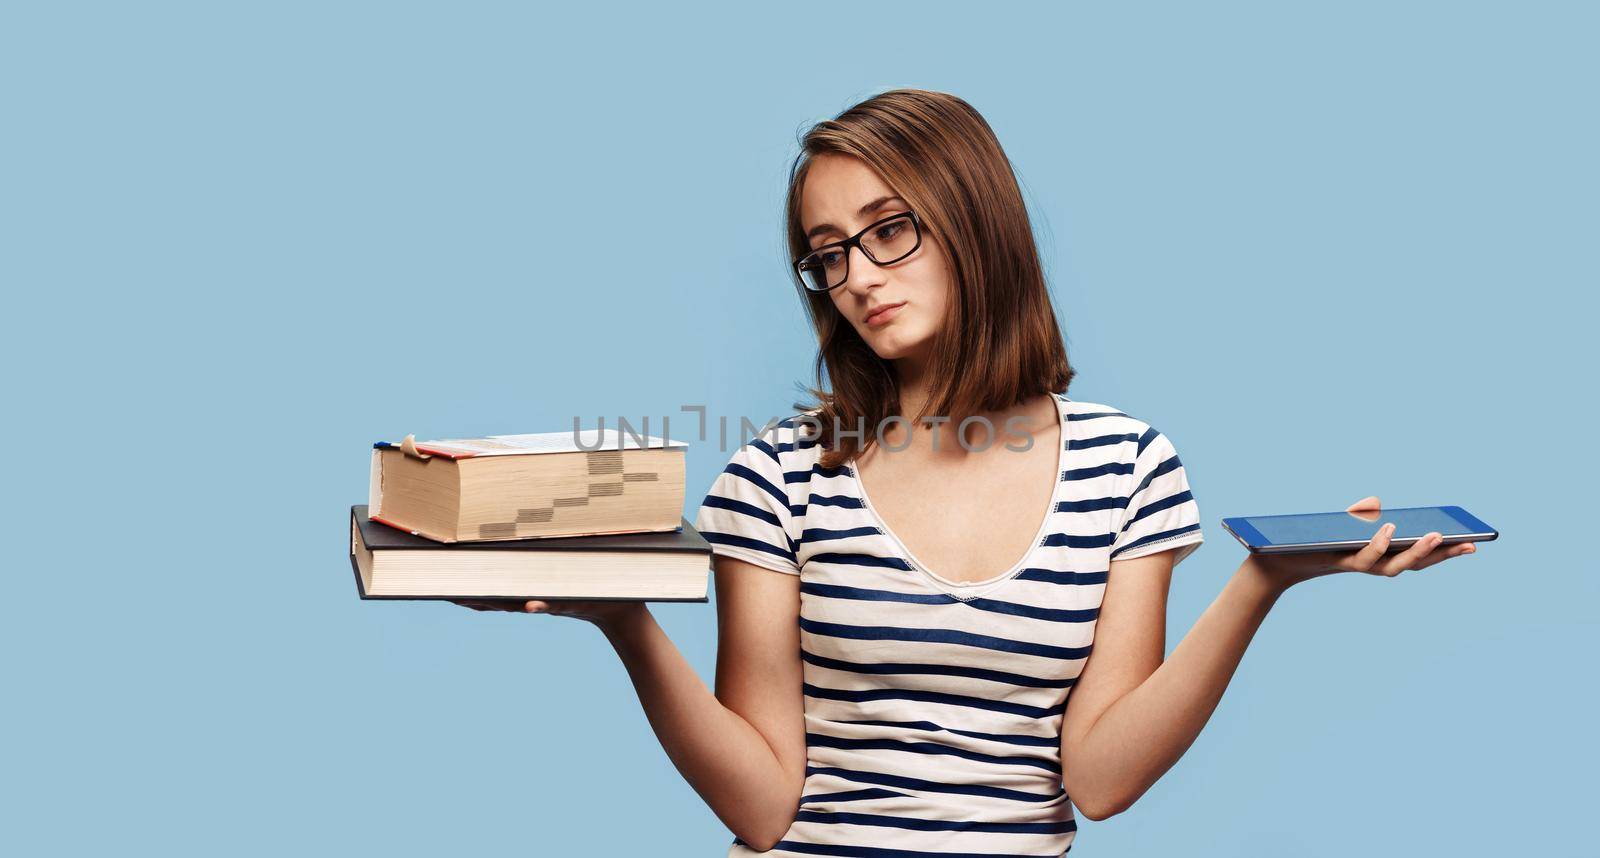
column 1162, row 512
column 746, row 513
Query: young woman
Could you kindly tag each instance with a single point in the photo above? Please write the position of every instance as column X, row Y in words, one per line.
column 915, row 576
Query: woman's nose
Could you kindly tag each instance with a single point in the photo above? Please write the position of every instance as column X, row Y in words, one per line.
column 864, row 273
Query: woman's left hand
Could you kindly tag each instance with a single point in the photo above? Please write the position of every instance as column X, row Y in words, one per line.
column 1373, row 559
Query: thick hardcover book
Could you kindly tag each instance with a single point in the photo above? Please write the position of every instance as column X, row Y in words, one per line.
column 545, row 484
column 664, row 566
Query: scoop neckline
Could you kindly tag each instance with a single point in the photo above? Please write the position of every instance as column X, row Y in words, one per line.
column 1022, row 563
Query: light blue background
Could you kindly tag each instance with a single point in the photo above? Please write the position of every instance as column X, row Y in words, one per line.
column 1331, row 251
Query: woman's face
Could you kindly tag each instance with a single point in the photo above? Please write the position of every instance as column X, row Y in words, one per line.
column 840, row 197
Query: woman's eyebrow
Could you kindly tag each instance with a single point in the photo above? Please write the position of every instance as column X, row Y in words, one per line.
column 863, row 211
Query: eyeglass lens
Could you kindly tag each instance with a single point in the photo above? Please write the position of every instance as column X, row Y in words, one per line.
column 887, row 242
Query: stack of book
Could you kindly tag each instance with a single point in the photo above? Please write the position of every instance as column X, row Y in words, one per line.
column 553, row 515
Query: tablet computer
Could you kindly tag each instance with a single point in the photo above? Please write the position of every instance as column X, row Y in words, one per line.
column 1349, row 531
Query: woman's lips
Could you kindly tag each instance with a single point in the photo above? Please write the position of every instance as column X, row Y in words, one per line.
column 883, row 315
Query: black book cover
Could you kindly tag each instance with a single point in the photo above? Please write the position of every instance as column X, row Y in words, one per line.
column 380, row 536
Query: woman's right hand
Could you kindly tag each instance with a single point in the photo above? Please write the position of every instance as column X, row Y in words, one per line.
column 604, row 613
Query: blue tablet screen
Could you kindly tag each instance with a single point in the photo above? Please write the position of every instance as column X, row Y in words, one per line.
column 1343, row 526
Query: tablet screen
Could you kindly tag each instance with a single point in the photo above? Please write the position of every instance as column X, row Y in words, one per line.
column 1342, row 526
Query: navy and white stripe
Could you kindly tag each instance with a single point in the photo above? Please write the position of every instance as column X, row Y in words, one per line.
column 933, row 707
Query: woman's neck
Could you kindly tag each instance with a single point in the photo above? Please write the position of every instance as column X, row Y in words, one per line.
column 914, row 387
column 912, row 380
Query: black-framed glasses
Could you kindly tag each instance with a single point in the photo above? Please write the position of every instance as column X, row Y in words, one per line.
column 883, row 242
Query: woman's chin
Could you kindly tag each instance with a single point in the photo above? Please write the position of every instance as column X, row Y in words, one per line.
column 892, row 345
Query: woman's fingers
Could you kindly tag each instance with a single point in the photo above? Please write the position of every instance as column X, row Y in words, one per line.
column 527, row 606
column 1372, row 552
column 490, row 604
column 598, row 612
column 1408, row 558
column 1445, row 553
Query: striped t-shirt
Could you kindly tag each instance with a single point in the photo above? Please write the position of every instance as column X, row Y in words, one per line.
column 933, row 709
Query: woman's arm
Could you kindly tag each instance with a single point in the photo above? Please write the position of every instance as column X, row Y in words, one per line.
column 742, row 749
column 1131, row 716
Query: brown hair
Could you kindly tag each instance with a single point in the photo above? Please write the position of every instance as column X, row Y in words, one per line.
column 1000, row 343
